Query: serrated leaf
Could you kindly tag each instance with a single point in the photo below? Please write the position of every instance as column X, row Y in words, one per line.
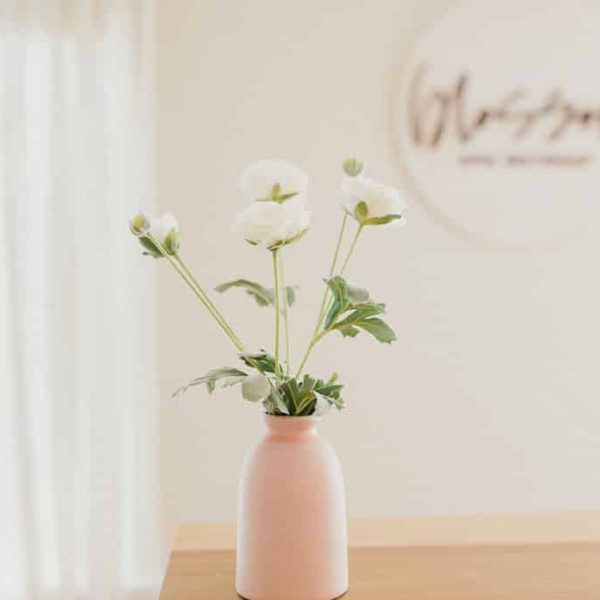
column 357, row 295
column 341, row 301
column 229, row 381
column 308, row 383
column 210, row 380
column 359, row 312
column 347, row 330
column 334, row 377
column 262, row 362
column 332, row 392
column 379, row 329
column 262, row 295
column 276, row 400
column 352, row 310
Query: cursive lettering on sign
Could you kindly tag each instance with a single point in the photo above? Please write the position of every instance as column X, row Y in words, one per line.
column 437, row 113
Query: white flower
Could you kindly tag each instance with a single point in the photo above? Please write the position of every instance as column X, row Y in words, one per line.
column 164, row 230
column 372, row 203
column 273, row 180
column 255, row 388
column 273, row 224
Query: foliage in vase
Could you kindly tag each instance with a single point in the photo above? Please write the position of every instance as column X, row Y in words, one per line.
column 276, row 216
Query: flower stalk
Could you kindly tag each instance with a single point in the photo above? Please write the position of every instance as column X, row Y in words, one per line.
column 317, row 333
column 185, row 274
column 275, row 254
column 286, row 324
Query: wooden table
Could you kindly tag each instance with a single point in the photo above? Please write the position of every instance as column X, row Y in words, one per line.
column 467, row 558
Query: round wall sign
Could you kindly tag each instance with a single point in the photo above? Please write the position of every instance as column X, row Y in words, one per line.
column 498, row 119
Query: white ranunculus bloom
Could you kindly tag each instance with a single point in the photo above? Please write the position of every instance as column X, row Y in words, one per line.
column 379, row 203
column 255, row 388
column 166, row 232
column 261, row 178
column 271, row 223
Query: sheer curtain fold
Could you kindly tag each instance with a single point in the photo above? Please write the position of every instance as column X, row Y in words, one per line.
column 78, row 396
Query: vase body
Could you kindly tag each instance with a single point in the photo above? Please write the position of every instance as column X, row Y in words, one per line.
column 292, row 540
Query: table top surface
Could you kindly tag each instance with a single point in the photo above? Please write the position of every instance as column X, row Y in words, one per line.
column 519, row 557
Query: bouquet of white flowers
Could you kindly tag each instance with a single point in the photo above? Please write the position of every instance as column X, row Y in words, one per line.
column 275, row 217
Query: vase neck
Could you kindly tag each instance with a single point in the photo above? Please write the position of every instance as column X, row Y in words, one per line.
column 291, row 427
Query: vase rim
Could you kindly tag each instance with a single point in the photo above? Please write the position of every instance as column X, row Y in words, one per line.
column 315, row 418
column 291, row 426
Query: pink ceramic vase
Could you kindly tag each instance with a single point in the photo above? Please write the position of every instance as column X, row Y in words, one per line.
column 292, row 540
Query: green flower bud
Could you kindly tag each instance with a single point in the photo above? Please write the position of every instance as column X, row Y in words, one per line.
column 171, row 241
column 139, row 225
column 353, row 167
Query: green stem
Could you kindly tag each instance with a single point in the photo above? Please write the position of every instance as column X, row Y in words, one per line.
column 180, row 267
column 338, row 245
column 274, row 254
column 322, row 311
column 214, row 309
column 352, row 247
column 286, row 326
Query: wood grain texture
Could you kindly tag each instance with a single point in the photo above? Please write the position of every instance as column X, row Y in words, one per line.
column 478, row 558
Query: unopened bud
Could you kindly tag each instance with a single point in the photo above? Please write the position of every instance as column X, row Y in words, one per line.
column 353, row 167
column 139, row 225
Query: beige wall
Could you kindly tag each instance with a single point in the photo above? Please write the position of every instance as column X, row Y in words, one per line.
column 489, row 401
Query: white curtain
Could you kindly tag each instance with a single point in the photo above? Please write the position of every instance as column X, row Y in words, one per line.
column 78, row 399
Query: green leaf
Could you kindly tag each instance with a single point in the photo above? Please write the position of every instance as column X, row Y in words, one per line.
column 305, row 397
column 308, row 383
column 341, row 300
column 230, row 376
column 290, row 392
column 381, row 220
column 284, row 197
column 361, row 312
column 352, row 310
column 290, row 294
column 262, row 295
column 331, row 391
column 347, row 330
column 275, row 405
column 357, row 295
column 334, row 377
column 295, row 238
column 361, row 211
column 262, row 362
column 379, row 329
column 150, row 247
